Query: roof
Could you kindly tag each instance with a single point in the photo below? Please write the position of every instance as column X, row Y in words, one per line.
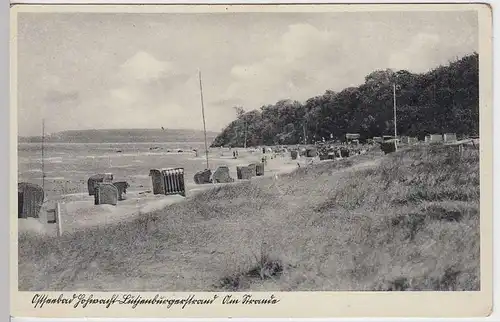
column 21, row 186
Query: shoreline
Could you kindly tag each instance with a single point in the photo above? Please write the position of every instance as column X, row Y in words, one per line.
column 79, row 212
column 207, row 243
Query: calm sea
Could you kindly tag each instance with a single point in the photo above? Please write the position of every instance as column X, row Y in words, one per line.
column 68, row 166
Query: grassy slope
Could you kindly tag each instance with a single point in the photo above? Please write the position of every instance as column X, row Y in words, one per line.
column 407, row 222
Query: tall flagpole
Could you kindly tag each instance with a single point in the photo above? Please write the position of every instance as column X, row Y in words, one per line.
column 245, row 144
column 395, row 119
column 43, row 161
column 203, row 115
column 304, row 130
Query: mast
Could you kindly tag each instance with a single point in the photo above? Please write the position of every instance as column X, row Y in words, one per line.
column 304, row 129
column 395, row 119
column 203, row 115
column 245, row 145
column 43, row 162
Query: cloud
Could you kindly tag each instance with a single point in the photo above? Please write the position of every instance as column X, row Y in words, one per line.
column 416, row 55
column 144, row 67
column 48, row 81
column 142, row 80
column 227, row 102
column 143, row 92
column 295, row 60
column 129, row 70
column 55, row 89
column 56, row 96
column 301, row 41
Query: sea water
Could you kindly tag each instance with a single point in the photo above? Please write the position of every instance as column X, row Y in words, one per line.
column 67, row 166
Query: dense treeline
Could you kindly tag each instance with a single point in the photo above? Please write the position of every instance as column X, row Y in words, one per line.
column 445, row 99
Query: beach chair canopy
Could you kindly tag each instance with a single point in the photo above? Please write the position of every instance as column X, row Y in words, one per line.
column 98, row 178
column 30, row 199
column 106, row 194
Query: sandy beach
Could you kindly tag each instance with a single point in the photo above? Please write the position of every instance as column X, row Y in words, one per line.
column 77, row 210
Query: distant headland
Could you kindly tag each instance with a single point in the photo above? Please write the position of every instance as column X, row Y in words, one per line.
column 121, row 136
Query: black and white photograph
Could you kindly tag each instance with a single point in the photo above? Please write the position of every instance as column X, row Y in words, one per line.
column 249, row 151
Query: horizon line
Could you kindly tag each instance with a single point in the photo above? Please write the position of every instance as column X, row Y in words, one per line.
column 116, row 129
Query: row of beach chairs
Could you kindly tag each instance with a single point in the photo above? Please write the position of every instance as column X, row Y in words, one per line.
column 105, row 191
column 166, row 181
column 222, row 175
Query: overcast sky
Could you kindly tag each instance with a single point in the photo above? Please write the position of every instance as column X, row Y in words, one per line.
column 88, row 70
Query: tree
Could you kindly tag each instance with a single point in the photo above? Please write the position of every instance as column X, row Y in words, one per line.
column 239, row 111
column 445, row 99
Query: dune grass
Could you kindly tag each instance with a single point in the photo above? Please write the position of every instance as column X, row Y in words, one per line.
column 406, row 221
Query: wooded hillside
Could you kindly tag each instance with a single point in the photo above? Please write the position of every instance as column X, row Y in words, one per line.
column 445, row 99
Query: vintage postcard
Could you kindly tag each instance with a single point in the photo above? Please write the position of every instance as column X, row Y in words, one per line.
column 251, row 160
